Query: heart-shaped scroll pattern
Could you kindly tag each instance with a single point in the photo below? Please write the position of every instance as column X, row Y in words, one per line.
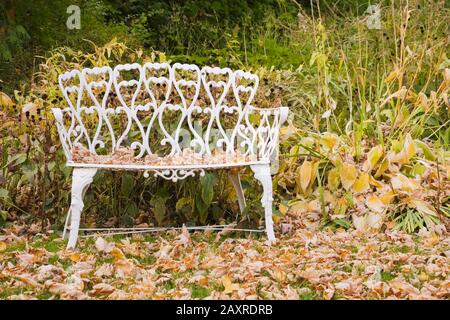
column 158, row 84
column 245, row 86
column 217, row 84
column 187, row 83
column 128, row 93
column 71, row 85
column 265, row 133
column 150, row 107
column 97, row 83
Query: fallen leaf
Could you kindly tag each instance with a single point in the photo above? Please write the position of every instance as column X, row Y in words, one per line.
column 375, row 204
column 105, row 270
column 401, row 182
column 117, row 254
column 348, row 174
column 328, row 293
column 75, row 256
column 124, row 268
column 26, row 259
column 362, row 183
column 104, row 246
column 305, row 174
column 5, row 100
column 421, row 206
column 333, row 179
column 375, row 220
column 102, row 288
column 373, row 157
column 228, row 285
column 184, row 238
column 387, row 197
column 405, row 155
column 359, row 222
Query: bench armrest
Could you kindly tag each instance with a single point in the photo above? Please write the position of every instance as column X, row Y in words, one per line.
column 266, row 132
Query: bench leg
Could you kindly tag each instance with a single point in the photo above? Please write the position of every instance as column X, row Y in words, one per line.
column 81, row 179
column 236, row 181
column 262, row 173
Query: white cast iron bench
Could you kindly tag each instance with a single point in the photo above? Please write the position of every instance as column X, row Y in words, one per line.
column 172, row 120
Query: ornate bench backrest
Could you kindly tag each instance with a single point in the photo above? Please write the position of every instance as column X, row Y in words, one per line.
column 164, row 110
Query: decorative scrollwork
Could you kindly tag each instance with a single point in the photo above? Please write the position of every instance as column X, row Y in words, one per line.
column 176, row 174
column 129, row 105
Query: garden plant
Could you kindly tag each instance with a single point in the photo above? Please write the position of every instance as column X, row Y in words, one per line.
column 361, row 190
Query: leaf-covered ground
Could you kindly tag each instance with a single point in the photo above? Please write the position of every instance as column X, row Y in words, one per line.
column 174, row 265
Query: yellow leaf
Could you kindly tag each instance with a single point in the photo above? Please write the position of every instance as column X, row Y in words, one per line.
column 228, row 285
column 341, row 206
column 375, row 204
column 387, row 197
column 299, row 207
column 382, row 168
column 305, row 175
column 405, row 155
column 298, row 179
column 410, row 147
column 423, row 276
column 433, row 240
column 5, row 101
column 276, row 219
column 348, row 174
column 333, row 179
column 283, row 209
column 3, row 246
column 75, row 257
column 373, row 157
column 315, row 165
column 422, row 100
column 362, row 183
column 375, row 182
column 401, row 182
column 7, row 124
column 391, row 77
column 313, row 205
column 329, row 140
column 117, row 254
column 421, row 206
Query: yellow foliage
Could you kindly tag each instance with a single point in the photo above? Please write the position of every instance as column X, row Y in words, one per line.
column 305, row 174
column 403, row 183
column 329, row 140
column 405, row 155
column 375, row 182
column 373, row 157
column 375, row 204
column 421, row 206
column 348, row 174
column 387, row 197
column 333, row 179
column 5, row 100
column 382, row 168
column 362, row 183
